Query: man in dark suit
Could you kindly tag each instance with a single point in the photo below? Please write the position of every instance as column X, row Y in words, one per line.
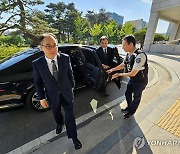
column 106, row 55
column 54, row 83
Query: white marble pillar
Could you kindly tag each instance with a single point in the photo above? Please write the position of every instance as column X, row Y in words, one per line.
column 153, row 20
column 174, row 31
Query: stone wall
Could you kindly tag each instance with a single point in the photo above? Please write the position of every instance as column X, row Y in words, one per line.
column 165, row 48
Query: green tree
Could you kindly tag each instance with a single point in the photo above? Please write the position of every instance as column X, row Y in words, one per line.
column 81, row 29
column 71, row 16
column 140, row 34
column 126, row 29
column 18, row 14
column 159, row 37
column 11, row 40
column 166, row 37
column 95, row 32
column 110, row 30
column 102, row 17
column 92, row 17
column 55, row 16
column 62, row 17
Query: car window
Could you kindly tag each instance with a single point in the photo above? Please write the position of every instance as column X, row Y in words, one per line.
column 75, row 54
column 89, row 57
column 70, row 52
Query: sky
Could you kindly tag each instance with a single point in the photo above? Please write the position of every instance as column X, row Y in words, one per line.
column 130, row 9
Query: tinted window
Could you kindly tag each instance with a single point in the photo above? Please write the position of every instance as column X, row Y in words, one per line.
column 89, row 57
column 74, row 53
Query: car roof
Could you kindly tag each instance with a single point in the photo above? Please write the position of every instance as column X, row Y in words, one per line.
column 69, row 45
column 90, row 48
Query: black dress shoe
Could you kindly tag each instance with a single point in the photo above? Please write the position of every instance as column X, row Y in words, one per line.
column 77, row 144
column 58, row 129
column 127, row 115
column 124, row 110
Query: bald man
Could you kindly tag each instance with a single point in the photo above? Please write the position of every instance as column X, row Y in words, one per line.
column 54, row 83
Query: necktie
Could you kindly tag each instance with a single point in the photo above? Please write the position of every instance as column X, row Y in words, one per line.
column 105, row 52
column 54, row 69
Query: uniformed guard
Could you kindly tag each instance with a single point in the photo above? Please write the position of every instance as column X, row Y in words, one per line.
column 136, row 67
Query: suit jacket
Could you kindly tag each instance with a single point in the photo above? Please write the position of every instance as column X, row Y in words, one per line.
column 46, row 85
column 108, row 58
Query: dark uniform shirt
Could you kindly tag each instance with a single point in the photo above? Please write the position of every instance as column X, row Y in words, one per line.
column 137, row 61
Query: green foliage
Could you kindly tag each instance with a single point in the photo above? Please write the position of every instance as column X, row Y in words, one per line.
column 140, row 34
column 8, row 51
column 92, row 17
column 102, row 17
column 110, row 30
column 62, row 17
column 126, row 29
column 71, row 16
column 81, row 28
column 159, row 37
column 21, row 16
column 166, row 38
column 11, row 40
column 95, row 32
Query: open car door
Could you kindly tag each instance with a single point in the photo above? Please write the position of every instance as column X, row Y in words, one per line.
column 95, row 76
column 117, row 61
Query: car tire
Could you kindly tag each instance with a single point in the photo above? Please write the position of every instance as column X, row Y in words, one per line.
column 33, row 103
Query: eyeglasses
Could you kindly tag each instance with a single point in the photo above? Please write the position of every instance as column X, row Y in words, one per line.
column 50, row 46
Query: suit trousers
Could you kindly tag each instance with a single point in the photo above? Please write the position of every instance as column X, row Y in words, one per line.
column 69, row 117
column 133, row 94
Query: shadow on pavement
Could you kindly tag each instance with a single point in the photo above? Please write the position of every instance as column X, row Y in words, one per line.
column 127, row 137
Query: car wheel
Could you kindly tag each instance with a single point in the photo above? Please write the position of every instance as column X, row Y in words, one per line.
column 33, row 103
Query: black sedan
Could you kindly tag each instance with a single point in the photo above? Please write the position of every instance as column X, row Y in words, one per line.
column 16, row 79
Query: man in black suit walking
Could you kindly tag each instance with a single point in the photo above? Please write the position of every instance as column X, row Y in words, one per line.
column 106, row 55
column 54, row 83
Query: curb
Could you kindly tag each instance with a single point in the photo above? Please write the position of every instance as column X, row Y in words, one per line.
column 155, row 78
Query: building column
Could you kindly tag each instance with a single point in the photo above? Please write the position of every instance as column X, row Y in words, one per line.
column 153, row 21
column 174, row 31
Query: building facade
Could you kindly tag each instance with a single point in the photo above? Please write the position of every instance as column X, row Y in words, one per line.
column 168, row 10
column 138, row 24
column 114, row 16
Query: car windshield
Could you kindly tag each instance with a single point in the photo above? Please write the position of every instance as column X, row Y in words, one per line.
column 17, row 57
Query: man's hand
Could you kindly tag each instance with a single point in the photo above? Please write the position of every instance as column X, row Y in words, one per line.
column 109, row 71
column 105, row 66
column 116, row 76
column 44, row 103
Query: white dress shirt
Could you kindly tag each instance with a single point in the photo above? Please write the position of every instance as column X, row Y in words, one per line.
column 105, row 50
column 49, row 63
